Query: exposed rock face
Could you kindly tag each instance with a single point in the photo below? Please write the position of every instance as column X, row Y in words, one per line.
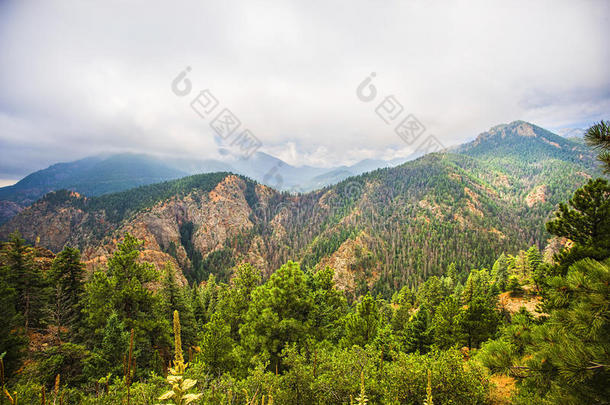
column 219, row 215
column 537, row 195
column 347, row 261
column 59, row 223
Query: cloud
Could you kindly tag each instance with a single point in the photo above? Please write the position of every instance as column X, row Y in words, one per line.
column 79, row 78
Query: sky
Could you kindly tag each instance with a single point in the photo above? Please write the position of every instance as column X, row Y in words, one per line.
column 81, row 78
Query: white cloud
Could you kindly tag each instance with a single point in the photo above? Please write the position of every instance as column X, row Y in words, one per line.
column 78, row 78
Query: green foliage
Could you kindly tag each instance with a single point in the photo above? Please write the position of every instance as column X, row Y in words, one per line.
column 417, row 335
column 479, row 321
column 445, row 324
column 598, row 136
column 12, row 341
column 451, row 380
column 122, row 289
column 570, row 352
column 278, row 314
column 499, row 271
column 66, row 278
column 108, row 356
column 27, row 280
column 361, row 325
column 329, row 306
column 217, row 345
column 174, row 298
column 585, row 220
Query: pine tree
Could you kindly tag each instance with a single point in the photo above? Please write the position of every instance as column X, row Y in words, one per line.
column 417, row 335
column 585, row 220
column 570, row 352
column 234, row 302
column 109, row 354
column 361, row 326
column 329, row 306
column 278, row 315
column 217, row 346
column 499, row 271
column 66, row 279
column 479, row 320
column 452, row 273
column 123, row 290
column 534, row 258
column 598, row 136
column 27, row 279
column 445, row 325
column 174, row 298
column 11, row 340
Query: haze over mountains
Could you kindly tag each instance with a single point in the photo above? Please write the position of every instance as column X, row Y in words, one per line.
column 382, row 229
column 102, row 174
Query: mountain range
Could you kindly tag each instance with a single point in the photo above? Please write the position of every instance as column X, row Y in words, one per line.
column 103, row 174
column 382, row 229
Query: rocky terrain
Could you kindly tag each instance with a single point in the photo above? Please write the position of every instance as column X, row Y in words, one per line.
column 393, row 226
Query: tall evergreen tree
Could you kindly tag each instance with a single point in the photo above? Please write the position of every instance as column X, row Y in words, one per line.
column 11, row 340
column 278, row 315
column 585, row 221
column 418, row 334
column 329, row 305
column 361, row 326
column 479, row 321
column 534, row 258
column 499, row 271
column 67, row 286
column 175, row 298
column 570, row 352
column 123, row 290
column 445, row 326
column 27, row 279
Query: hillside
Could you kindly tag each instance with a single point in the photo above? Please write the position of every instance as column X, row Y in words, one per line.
column 97, row 175
column 90, row 176
column 383, row 229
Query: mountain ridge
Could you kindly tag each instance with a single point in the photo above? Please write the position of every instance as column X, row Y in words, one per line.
column 392, row 226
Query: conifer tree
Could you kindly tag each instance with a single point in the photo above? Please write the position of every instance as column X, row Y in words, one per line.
column 174, row 298
column 123, row 290
column 11, row 341
column 278, row 314
column 499, row 271
column 361, row 326
column 598, row 136
column 27, row 279
column 570, row 352
column 479, row 320
column 329, row 305
column 417, row 334
column 585, row 221
column 445, row 326
column 66, row 279
column 534, row 258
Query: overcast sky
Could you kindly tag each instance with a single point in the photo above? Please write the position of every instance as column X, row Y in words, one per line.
column 78, row 78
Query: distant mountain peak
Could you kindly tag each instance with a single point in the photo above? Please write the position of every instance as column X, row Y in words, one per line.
column 521, row 128
column 527, row 143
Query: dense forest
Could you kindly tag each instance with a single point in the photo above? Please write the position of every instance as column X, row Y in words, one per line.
column 531, row 325
column 128, row 334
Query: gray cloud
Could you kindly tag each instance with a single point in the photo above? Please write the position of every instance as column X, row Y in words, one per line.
column 79, row 78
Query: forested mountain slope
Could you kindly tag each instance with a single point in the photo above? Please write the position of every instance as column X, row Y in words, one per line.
column 380, row 230
column 90, row 176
